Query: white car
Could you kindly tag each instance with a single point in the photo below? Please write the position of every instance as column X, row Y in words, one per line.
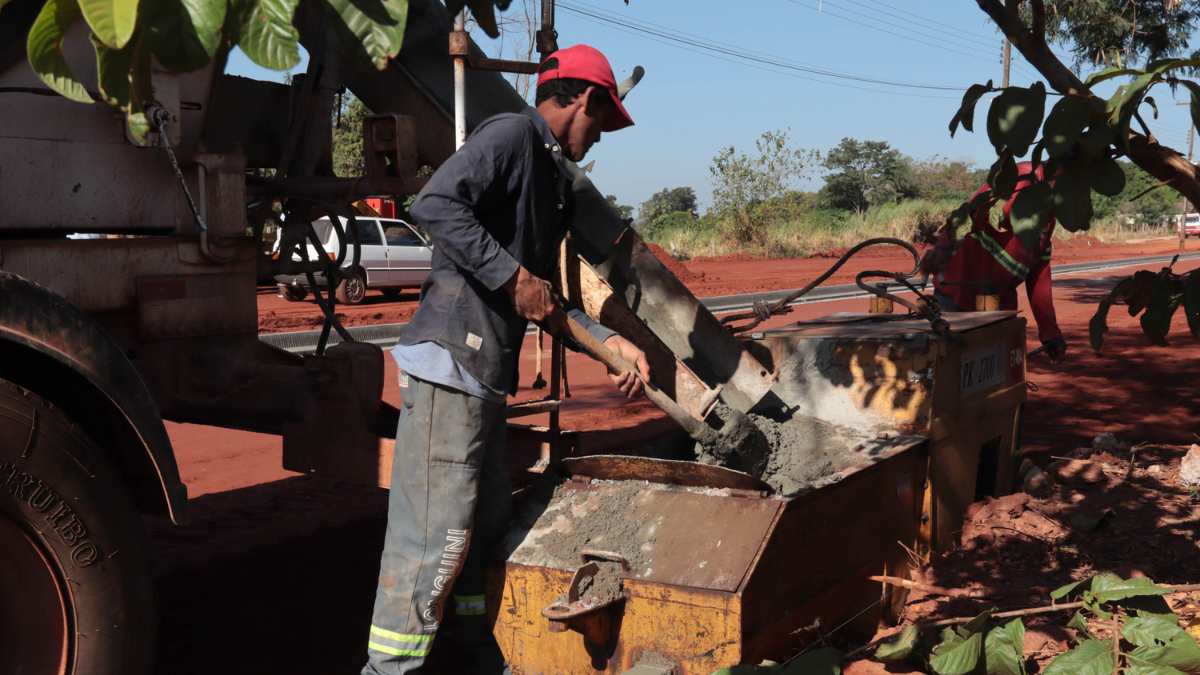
column 393, row 256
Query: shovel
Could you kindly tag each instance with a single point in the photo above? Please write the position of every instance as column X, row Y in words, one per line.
column 738, row 435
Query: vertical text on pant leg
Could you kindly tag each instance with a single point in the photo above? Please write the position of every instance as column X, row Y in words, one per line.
column 452, row 558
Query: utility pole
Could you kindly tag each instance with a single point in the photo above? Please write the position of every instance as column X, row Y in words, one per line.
column 1183, row 210
column 1007, row 61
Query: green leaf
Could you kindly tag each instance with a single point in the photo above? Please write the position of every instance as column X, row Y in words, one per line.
column 1124, row 104
column 1156, row 323
column 1106, row 177
column 112, row 21
column 1149, row 100
column 956, row 655
column 1003, row 175
column 1096, row 140
column 1004, row 649
column 1195, row 106
column 1035, row 157
column 1140, row 291
column 899, row 649
column 44, row 47
column 1091, row 657
column 1191, row 302
column 966, row 110
column 1181, row 652
column 113, row 73
column 1063, row 591
column 1015, row 117
column 1150, row 629
column 1108, row 74
column 1078, row 622
column 184, row 34
column 379, row 32
column 977, row 624
column 1136, row 666
column 1030, row 213
column 1108, row 587
column 266, row 33
column 824, row 661
column 1071, row 199
column 1065, row 125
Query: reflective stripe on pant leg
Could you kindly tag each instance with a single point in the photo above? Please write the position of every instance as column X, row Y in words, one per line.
column 399, row 644
column 470, row 605
column 435, row 479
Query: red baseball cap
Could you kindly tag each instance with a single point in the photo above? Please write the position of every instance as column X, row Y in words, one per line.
column 584, row 62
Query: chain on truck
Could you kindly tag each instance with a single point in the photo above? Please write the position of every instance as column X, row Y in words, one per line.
column 104, row 337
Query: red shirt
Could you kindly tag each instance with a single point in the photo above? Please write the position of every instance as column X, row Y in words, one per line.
column 991, row 260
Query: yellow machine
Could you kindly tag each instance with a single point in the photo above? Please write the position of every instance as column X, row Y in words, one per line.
column 721, row 570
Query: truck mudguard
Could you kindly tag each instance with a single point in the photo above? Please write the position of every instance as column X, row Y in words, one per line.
column 69, row 359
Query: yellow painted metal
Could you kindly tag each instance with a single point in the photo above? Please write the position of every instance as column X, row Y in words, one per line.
column 698, row 630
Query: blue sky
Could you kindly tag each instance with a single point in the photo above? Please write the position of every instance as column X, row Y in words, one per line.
column 692, row 104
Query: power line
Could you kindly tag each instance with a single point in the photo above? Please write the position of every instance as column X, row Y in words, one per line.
column 934, row 22
column 938, row 30
column 744, row 54
column 756, row 66
column 843, row 17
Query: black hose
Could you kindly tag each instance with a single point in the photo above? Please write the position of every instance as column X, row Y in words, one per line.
column 781, row 306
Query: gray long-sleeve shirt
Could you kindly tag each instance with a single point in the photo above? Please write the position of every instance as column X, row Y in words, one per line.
column 502, row 201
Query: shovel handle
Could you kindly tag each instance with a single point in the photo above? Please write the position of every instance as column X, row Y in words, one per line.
column 694, row 427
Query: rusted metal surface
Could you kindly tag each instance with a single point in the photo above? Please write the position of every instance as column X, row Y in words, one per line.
column 389, row 145
column 816, row 561
column 91, row 282
column 45, row 323
column 773, row 566
column 673, row 472
column 37, row 639
column 669, row 546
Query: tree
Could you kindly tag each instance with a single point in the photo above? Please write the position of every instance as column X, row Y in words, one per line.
column 348, row 160
column 1082, row 136
column 866, row 173
column 742, row 182
column 624, row 210
column 939, row 179
column 1119, row 32
column 1140, row 201
column 667, row 200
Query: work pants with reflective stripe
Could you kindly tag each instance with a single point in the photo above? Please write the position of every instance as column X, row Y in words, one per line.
column 449, row 505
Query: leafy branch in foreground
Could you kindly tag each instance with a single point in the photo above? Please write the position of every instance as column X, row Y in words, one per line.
column 1156, row 296
column 185, row 35
column 1145, row 639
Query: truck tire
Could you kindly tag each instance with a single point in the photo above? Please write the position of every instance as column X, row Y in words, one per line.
column 352, row 289
column 76, row 591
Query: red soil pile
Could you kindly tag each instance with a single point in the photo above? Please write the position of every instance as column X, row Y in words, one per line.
column 671, row 263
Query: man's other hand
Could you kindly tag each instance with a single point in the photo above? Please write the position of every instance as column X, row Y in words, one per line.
column 533, row 298
column 627, row 382
column 1056, row 348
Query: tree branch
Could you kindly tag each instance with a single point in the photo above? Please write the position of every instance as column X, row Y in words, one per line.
column 1163, row 163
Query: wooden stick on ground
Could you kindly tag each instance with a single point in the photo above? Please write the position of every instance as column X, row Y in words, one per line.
column 936, row 590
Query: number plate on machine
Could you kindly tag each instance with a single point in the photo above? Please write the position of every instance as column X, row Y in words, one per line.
column 983, row 368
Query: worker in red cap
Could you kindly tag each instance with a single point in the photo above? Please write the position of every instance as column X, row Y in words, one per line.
column 497, row 211
column 991, row 260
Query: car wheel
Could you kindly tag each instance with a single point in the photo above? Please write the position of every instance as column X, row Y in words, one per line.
column 76, row 590
column 352, row 289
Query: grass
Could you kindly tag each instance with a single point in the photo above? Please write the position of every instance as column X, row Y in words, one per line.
column 817, row 231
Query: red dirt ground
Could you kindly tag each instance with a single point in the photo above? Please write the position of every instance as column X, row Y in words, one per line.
column 724, row 275
column 276, row 572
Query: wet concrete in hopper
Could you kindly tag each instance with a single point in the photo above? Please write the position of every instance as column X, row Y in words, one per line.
column 596, row 519
column 790, row 456
column 603, row 586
